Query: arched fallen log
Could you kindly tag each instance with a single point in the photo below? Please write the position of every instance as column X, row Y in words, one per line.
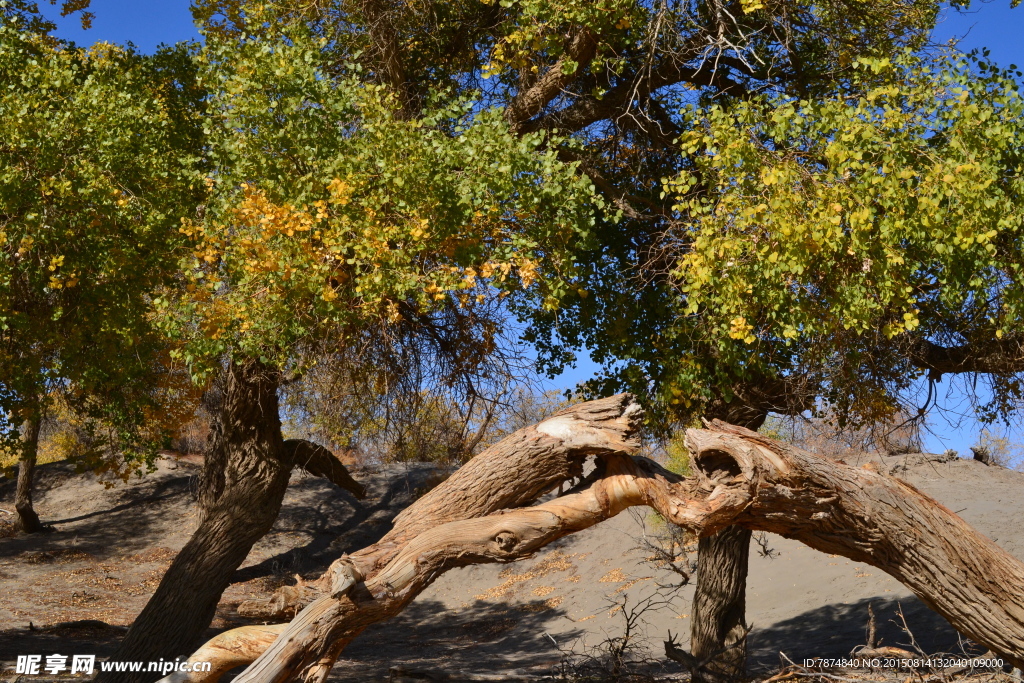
column 739, row 478
column 510, row 474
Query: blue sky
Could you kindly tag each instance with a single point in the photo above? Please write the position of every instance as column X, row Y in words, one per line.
column 993, row 25
column 147, row 24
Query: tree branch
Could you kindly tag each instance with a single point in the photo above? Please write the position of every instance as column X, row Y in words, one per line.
column 321, row 462
column 588, row 110
column 739, row 478
column 510, row 474
column 527, row 104
column 752, row 400
column 996, row 356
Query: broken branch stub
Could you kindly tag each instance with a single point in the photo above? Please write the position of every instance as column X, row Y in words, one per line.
column 321, row 462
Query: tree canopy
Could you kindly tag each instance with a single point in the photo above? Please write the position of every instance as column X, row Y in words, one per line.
column 863, row 241
column 98, row 161
column 332, row 214
column 373, row 166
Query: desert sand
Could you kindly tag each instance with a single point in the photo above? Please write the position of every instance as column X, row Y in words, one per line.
column 497, row 622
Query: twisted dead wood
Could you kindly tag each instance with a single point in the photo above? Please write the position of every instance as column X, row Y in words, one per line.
column 739, row 478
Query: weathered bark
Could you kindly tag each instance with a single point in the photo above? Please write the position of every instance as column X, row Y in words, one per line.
column 230, row 649
column 245, row 477
column 242, row 507
column 28, row 521
column 510, row 474
column 740, row 478
column 718, row 629
column 876, row 519
column 307, row 648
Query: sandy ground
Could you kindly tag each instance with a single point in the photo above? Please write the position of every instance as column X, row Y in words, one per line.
column 522, row 620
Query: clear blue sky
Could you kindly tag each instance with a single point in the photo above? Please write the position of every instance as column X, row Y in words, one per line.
column 147, row 24
column 993, row 25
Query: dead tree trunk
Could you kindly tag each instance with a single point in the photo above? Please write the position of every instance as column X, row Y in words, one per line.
column 740, row 478
column 28, row 520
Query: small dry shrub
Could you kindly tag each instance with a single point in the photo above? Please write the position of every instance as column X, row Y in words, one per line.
column 622, row 658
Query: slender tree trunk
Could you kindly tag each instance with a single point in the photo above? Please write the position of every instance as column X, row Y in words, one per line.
column 244, row 481
column 718, row 630
column 28, row 520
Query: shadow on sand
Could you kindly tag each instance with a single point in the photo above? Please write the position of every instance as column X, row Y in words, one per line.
column 133, row 518
column 835, row 630
column 479, row 637
column 342, row 524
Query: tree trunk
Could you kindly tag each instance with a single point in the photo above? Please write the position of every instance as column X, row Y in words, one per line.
column 718, row 631
column 28, row 520
column 740, row 478
column 244, row 481
column 873, row 518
